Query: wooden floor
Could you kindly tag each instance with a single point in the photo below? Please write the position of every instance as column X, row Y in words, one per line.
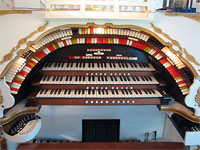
column 103, row 146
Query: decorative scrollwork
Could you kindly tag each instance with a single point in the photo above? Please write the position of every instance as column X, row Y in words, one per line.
column 22, row 41
column 176, row 43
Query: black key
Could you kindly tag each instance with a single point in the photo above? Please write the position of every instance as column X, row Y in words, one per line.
column 70, row 79
column 115, row 78
column 76, row 78
column 123, row 92
column 54, row 78
column 142, row 78
column 103, row 92
column 105, row 65
column 119, row 65
column 140, row 65
column 135, row 65
column 99, row 78
column 83, row 91
column 59, row 91
column 102, row 78
column 116, row 91
column 69, row 92
column 83, row 65
column 140, row 91
column 101, row 65
column 57, row 78
column 133, row 78
column 131, row 65
column 46, row 65
column 112, row 92
column 106, row 78
column 137, row 78
column 48, row 78
column 121, row 78
column 41, row 91
column 147, row 79
column 110, row 65
column 130, row 92
column 111, row 78
column 126, row 91
column 153, row 91
column 123, row 65
column 76, row 64
column 67, row 77
column 83, row 78
column 89, row 92
column 55, row 92
column 65, row 92
column 75, row 92
column 114, row 65
column 92, row 65
column 99, row 92
column 79, row 92
column 136, row 92
column 145, row 91
column 55, row 64
column 89, row 65
column 128, row 79
column 126, row 65
column 89, row 78
column 98, row 65
column 145, row 65
column 150, row 92
column 51, row 92
column 45, row 92
column 93, row 78
column 44, row 78
column 62, row 65
column 71, row 65
column 124, row 78
column 106, row 92
column 68, row 64
column 61, row 77
column 80, row 78
column 93, row 92
column 50, row 64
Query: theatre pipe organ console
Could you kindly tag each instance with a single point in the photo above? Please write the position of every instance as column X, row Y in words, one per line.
column 99, row 65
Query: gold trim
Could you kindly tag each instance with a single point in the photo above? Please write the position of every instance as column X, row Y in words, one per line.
column 1, row 98
column 29, row 110
column 195, row 17
column 8, row 12
column 197, row 97
column 184, row 113
column 174, row 42
column 22, row 41
column 190, row 57
column 182, row 50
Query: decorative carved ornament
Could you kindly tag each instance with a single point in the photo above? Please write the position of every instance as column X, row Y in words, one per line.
column 22, row 41
column 176, row 43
